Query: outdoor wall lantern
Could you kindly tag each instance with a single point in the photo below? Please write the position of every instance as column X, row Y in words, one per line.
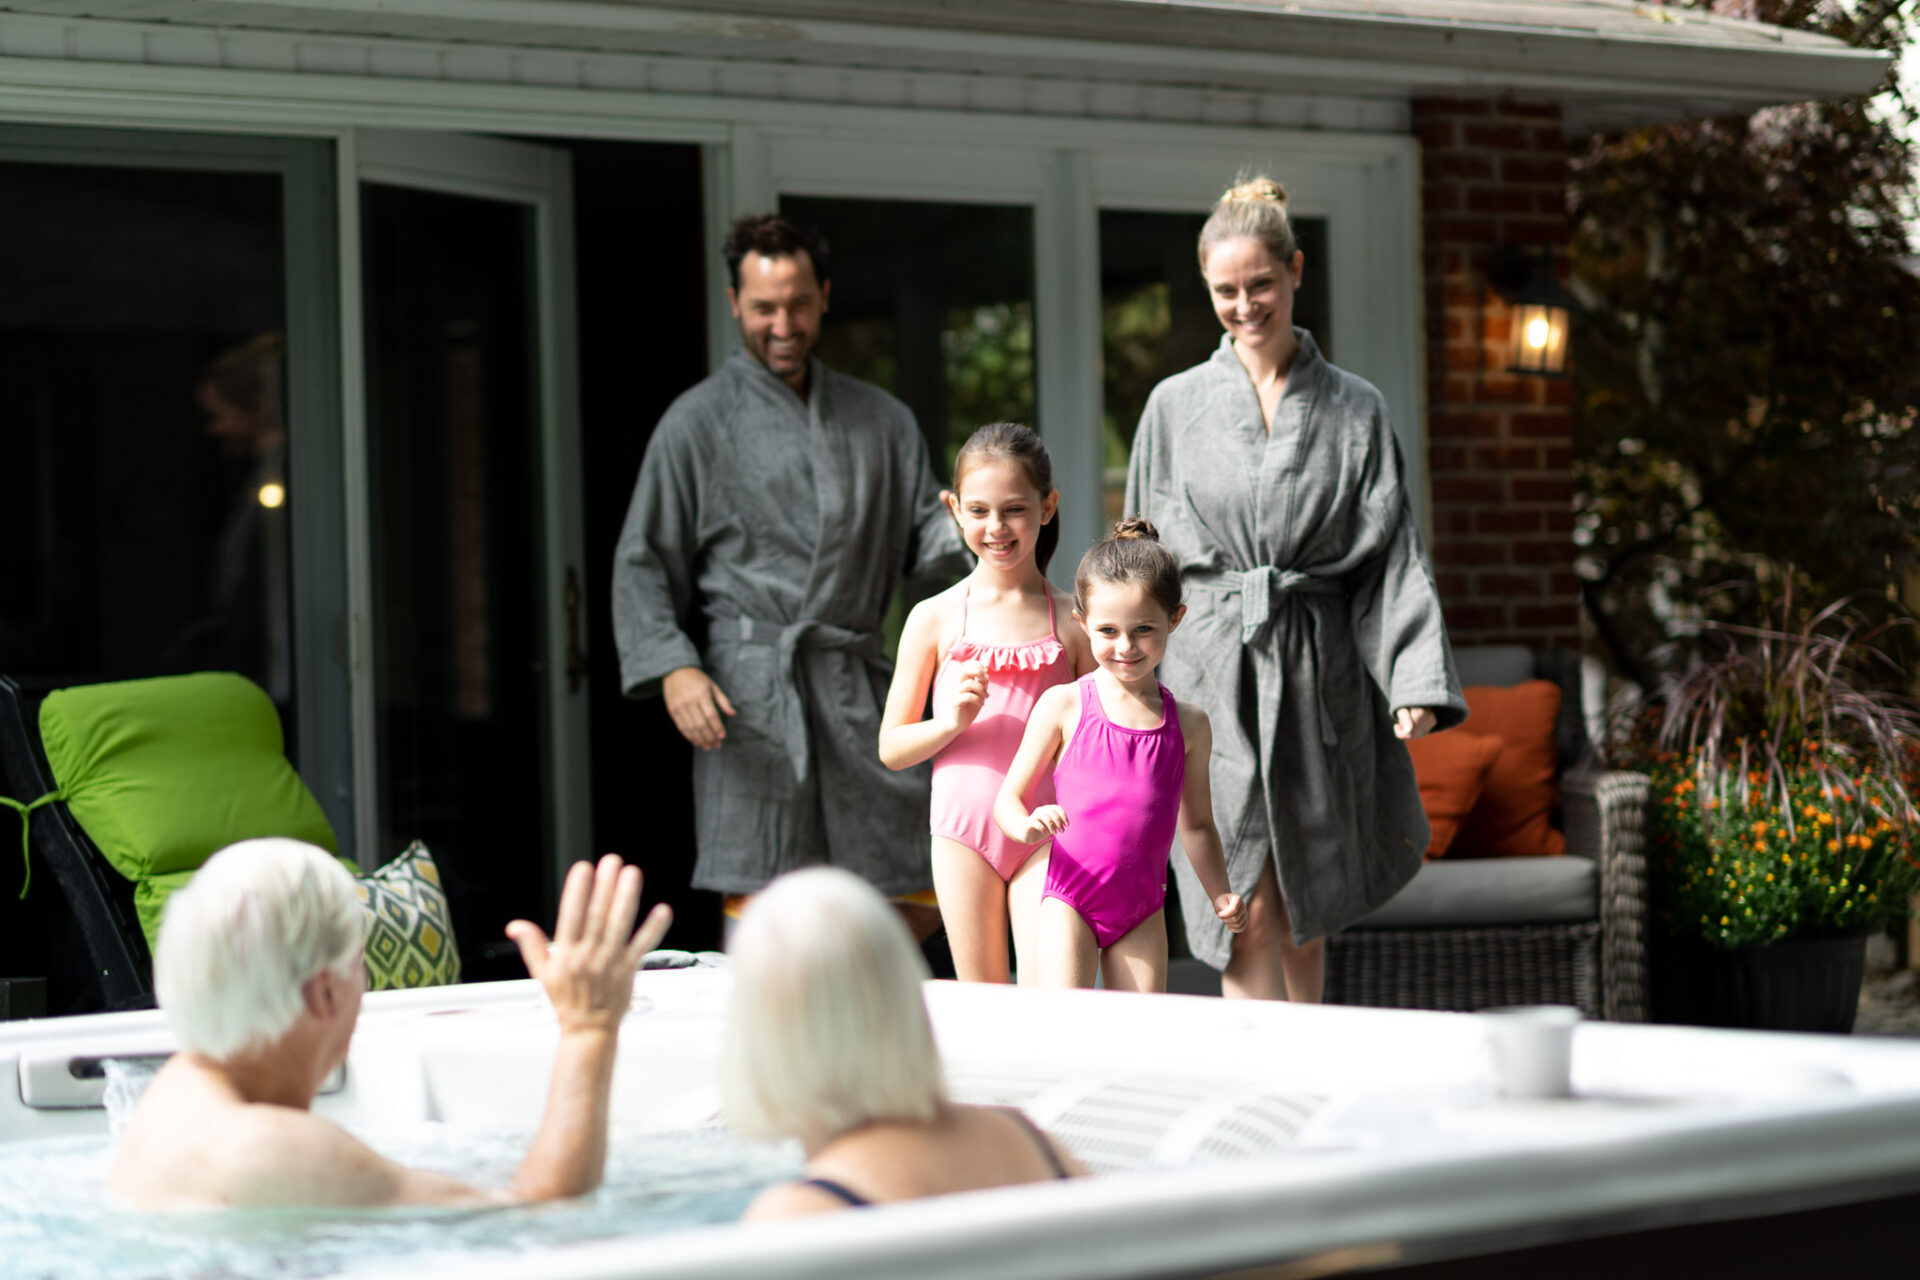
column 1542, row 308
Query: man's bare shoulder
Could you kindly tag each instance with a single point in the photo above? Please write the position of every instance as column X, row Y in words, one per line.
column 186, row 1147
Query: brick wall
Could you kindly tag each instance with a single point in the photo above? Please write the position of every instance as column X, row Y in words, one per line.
column 1500, row 445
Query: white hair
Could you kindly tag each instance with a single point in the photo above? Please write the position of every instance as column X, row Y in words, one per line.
column 240, row 941
column 827, row 1029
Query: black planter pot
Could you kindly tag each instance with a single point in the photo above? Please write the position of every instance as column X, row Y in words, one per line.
column 1806, row 983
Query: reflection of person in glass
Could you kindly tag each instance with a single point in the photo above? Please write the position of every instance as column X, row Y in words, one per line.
column 1314, row 639
column 246, row 627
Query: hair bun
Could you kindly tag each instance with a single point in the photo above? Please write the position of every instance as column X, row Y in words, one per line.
column 1249, row 188
column 1135, row 527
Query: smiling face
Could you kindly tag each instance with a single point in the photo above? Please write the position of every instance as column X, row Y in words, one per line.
column 778, row 305
column 1128, row 629
column 1000, row 512
column 1252, row 292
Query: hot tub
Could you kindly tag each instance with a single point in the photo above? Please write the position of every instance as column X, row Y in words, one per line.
column 1231, row 1135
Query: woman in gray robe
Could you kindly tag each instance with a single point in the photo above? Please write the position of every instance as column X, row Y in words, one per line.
column 1313, row 638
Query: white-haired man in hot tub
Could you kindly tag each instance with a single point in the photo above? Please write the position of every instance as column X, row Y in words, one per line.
column 259, row 972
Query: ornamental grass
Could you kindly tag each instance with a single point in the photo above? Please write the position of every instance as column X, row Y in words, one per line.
column 1784, row 780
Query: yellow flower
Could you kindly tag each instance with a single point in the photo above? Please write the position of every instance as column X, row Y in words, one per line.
column 1723, row 920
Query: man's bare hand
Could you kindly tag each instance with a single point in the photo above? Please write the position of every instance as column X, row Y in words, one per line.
column 588, row 966
column 696, row 704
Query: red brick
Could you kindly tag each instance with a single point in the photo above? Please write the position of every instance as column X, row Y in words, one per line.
column 1549, row 138
column 1451, row 584
column 1507, row 457
column 1508, row 520
column 1530, row 110
column 1465, row 231
column 1541, row 426
column 1557, row 458
column 1534, row 231
column 1497, row 326
column 1554, row 490
column 1558, row 391
column 1466, row 553
column 1463, row 291
column 1500, row 391
column 1551, row 202
column 1547, row 615
column 1437, row 106
column 1492, row 586
column 1551, row 551
column 1559, row 521
column 1434, row 134
column 1565, row 583
column 1455, row 390
column 1453, row 263
column 1544, row 170
column 1439, row 199
column 1467, row 489
column 1453, row 325
column 1501, row 200
column 1461, row 164
column 1446, row 457
column 1452, row 520
column 1462, row 426
column 1465, row 619
column 1502, row 137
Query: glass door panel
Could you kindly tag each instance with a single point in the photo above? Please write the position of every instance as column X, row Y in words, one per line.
column 933, row 302
column 145, row 496
column 1156, row 318
column 466, row 570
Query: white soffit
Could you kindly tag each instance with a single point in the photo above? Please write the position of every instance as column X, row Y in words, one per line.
column 1612, row 63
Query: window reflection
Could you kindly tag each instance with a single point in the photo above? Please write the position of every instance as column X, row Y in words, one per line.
column 933, row 302
column 141, row 372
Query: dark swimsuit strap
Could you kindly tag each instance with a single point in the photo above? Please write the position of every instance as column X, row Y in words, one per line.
column 838, row 1190
column 1040, row 1140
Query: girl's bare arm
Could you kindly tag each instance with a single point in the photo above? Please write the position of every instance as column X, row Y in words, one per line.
column 1039, row 748
column 1198, row 834
column 905, row 738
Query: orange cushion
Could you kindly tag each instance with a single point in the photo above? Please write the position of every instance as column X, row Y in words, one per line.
column 1452, row 770
column 1512, row 818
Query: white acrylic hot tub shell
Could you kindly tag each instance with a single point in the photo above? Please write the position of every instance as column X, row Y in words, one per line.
column 1671, row 1125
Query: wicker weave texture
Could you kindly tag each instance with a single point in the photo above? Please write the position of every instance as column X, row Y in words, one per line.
column 1465, row 969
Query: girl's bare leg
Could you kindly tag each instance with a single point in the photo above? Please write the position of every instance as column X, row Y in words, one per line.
column 973, row 903
column 1069, row 956
column 1266, row 964
column 1023, row 906
column 1137, row 961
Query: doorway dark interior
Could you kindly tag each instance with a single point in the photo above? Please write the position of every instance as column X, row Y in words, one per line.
column 639, row 246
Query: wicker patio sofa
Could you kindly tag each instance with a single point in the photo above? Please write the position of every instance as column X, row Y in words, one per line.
column 1473, row 933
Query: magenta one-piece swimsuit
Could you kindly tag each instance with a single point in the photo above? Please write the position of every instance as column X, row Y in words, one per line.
column 1121, row 790
column 968, row 772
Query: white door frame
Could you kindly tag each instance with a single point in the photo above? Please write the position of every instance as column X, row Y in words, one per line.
column 540, row 179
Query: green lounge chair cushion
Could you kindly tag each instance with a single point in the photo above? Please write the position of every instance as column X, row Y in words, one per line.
column 162, row 773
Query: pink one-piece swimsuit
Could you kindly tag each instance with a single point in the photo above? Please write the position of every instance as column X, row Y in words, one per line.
column 969, row 770
column 1121, row 790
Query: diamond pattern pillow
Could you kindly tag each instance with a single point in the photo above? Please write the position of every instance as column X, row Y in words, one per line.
column 409, row 924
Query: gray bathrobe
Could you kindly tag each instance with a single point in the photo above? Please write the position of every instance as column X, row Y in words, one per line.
column 777, row 528
column 1311, row 615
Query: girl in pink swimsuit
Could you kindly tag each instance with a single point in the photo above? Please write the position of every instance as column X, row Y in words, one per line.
column 980, row 649
column 1129, row 770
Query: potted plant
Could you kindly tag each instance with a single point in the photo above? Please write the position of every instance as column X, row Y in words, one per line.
column 1784, row 827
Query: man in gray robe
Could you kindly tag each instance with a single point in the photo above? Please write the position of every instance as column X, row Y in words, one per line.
column 778, row 506
column 1312, row 619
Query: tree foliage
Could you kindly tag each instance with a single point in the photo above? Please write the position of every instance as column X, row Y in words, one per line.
column 1748, row 374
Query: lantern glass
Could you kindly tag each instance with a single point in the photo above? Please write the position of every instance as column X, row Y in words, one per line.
column 1539, row 341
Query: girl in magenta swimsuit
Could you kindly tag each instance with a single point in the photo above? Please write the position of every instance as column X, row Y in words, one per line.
column 987, row 648
column 1129, row 769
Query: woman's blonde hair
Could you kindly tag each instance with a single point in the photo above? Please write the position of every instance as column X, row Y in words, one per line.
column 238, row 944
column 826, row 1029
column 1255, row 206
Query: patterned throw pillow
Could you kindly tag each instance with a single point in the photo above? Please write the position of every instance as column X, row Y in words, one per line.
column 409, row 925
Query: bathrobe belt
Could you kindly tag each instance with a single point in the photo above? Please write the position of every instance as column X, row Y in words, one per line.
column 789, row 641
column 1263, row 590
